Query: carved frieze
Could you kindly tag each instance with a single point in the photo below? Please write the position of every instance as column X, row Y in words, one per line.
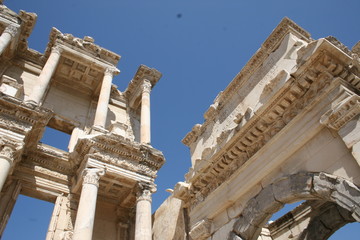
column 121, row 152
column 296, row 94
column 343, row 112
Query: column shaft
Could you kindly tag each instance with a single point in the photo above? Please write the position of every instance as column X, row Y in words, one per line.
column 5, row 166
column 85, row 216
column 104, row 97
column 7, row 158
column 145, row 134
column 143, row 216
column 45, row 76
column 6, row 37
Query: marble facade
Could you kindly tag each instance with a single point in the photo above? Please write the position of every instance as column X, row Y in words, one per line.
column 101, row 186
column 286, row 129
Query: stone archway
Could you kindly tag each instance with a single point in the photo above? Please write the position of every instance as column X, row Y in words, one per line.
column 326, row 221
column 293, row 188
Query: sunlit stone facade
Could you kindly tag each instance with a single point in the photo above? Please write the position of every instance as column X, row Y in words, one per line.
column 286, row 129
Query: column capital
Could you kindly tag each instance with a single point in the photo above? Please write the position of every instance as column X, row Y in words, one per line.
column 12, row 30
column 144, row 191
column 9, row 149
column 146, row 86
column 92, row 176
column 111, row 71
column 57, row 49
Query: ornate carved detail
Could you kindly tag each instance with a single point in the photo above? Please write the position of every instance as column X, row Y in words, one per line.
column 92, row 176
column 192, row 136
column 181, row 191
column 67, row 235
column 57, row 49
column 12, row 30
column 146, row 86
column 10, row 149
column 142, row 73
column 295, row 96
column 201, row 230
column 87, row 44
column 110, row 72
column 120, row 151
column 145, row 191
column 342, row 113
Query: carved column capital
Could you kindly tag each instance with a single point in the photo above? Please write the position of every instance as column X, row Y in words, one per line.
column 92, row 176
column 146, row 86
column 12, row 30
column 144, row 191
column 9, row 150
column 57, row 49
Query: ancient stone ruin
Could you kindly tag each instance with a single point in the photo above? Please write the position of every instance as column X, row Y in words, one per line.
column 286, row 129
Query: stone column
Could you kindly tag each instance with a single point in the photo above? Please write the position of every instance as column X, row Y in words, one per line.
column 7, row 158
column 45, row 76
column 145, row 136
column 104, row 97
column 85, row 217
column 143, row 212
column 6, row 37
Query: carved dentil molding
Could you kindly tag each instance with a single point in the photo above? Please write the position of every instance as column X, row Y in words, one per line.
column 92, row 176
column 347, row 108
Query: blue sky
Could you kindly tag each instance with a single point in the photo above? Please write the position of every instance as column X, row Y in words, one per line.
column 198, row 45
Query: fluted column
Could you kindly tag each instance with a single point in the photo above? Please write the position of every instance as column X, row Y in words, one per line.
column 143, row 212
column 6, row 37
column 8, row 154
column 85, row 217
column 45, row 76
column 145, row 135
column 104, row 97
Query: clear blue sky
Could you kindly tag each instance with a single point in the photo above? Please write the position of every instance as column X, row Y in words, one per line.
column 198, row 45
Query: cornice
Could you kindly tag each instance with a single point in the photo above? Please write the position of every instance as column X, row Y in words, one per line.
column 285, row 27
column 85, row 45
column 314, row 75
column 144, row 73
column 116, row 150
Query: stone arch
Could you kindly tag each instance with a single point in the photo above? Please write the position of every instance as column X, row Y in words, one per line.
column 290, row 189
column 322, row 225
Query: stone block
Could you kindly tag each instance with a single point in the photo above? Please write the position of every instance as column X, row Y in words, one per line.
column 291, row 188
column 324, row 184
column 266, row 201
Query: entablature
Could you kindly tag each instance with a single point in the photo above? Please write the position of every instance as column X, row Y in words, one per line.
column 322, row 65
column 135, row 87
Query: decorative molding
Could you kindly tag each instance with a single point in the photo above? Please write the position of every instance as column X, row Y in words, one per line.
column 92, row 176
column 85, row 45
column 295, row 95
column 340, row 114
column 201, row 230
